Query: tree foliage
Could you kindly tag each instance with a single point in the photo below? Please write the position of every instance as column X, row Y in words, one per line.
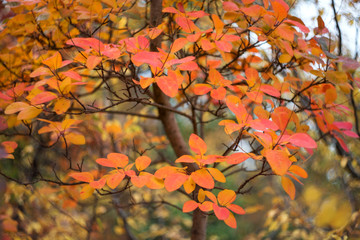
column 108, row 106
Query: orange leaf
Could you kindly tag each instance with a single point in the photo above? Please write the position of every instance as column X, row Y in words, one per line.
column 98, row 184
column 141, row 180
column 115, row 179
column 92, row 62
column 197, row 144
column 217, row 175
column 236, row 209
column 175, row 181
column 155, row 183
column 218, row 94
column 298, row 171
column 154, row 32
column 202, row 88
column 190, row 206
column 119, row 159
column 186, row 158
column 302, row 140
column 188, row 66
column 224, row 46
column 54, row 62
column 151, row 58
column 186, row 24
column 206, row 206
column 168, row 85
column 278, row 160
column 86, row 192
column 75, row 138
column 83, row 176
column 203, row 178
column 226, row 197
column 189, row 185
column 178, row 44
column 221, row 213
column 288, row 186
column 142, row 162
column 237, row 158
column 231, row 221
column 218, row 24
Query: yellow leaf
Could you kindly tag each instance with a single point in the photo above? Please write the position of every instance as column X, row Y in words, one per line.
column 284, row 58
column 86, row 192
column 54, row 62
column 29, row 113
column 62, row 105
column 75, row 138
column 16, row 107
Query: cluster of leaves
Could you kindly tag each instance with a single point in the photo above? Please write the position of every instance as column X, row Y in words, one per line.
column 251, row 67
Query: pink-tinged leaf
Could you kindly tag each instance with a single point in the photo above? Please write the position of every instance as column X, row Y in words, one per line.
column 231, row 221
column 3, row 123
column 217, row 175
column 168, row 85
column 236, row 209
column 119, row 159
column 112, row 53
column 92, row 62
column 343, row 125
column 197, row 144
column 230, row 38
column 237, row 158
column 288, row 186
column 73, row 75
column 221, row 213
column 226, row 197
column 203, row 178
column 87, row 43
column 190, row 206
column 278, row 160
column 53, row 62
column 302, row 140
column 263, row 124
column 342, row 143
column 151, row 58
column 202, row 88
column 83, row 176
column 175, row 181
column 43, row 97
column 224, row 46
column 218, row 94
column 270, row 90
column 98, row 184
column 230, row 7
column 197, row 14
column 186, row 158
column 142, row 162
column 186, row 24
column 301, row 26
column 298, row 171
column 193, row 37
column 188, row 66
column 350, row 134
column 170, row 10
column 115, row 179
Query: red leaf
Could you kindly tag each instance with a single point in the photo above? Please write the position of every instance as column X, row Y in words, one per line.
column 270, row 90
column 188, row 66
column 278, row 161
column 224, row 46
column 186, row 24
column 151, row 58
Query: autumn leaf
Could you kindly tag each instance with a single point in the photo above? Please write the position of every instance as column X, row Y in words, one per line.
column 278, row 161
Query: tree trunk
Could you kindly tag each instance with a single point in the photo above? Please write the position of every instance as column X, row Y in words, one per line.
column 172, row 130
